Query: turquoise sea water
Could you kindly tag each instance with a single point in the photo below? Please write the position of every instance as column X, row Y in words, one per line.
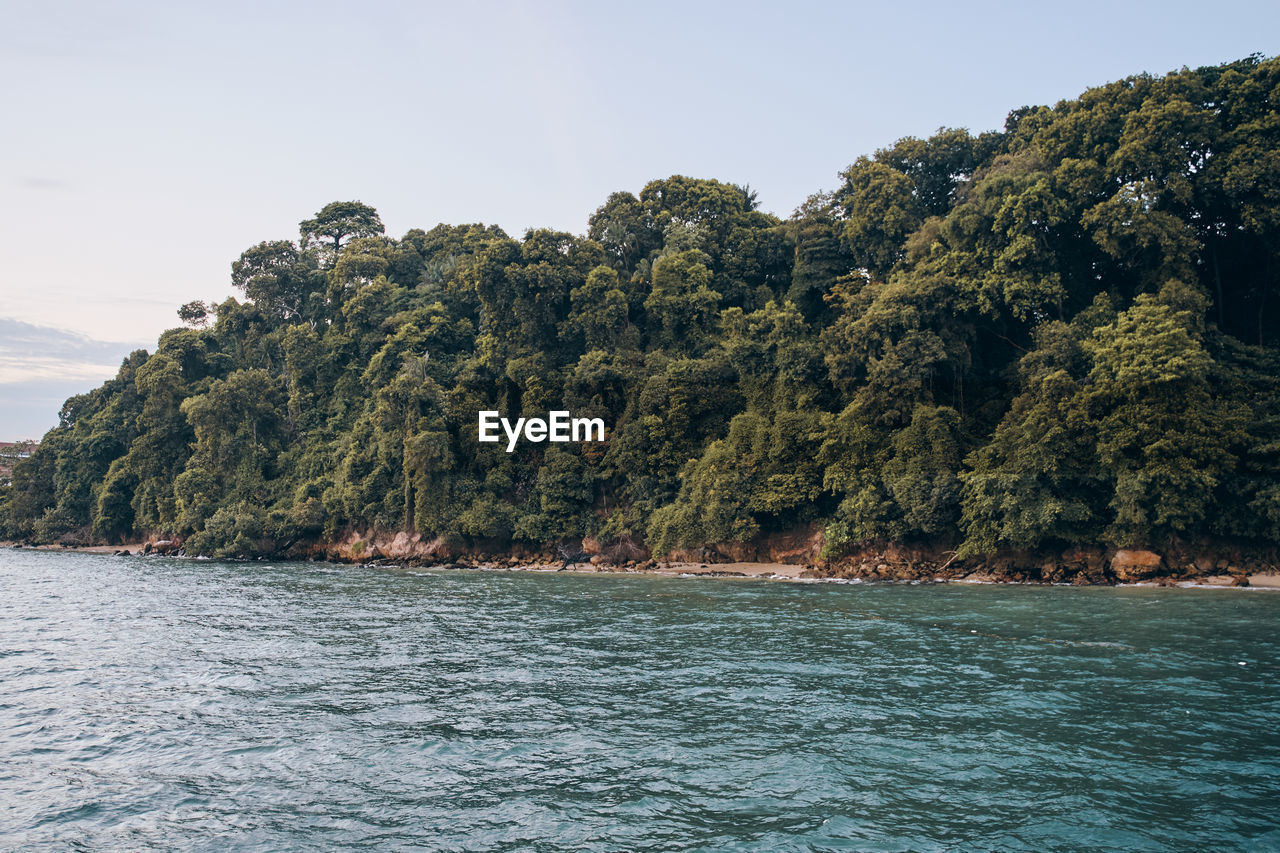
column 170, row 704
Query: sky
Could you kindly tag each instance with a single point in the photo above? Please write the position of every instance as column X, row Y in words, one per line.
column 144, row 146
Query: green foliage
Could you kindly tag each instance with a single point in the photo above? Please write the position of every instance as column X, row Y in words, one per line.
column 338, row 221
column 232, row 531
column 922, row 475
column 681, row 304
column 277, row 277
column 882, row 210
column 1038, row 481
column 195, row 313
column 1163, row 434
column 762, row 475
column 599, row 310
column 1061, row 333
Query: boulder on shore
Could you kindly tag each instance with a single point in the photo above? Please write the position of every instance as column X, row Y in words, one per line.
column 1129, row 565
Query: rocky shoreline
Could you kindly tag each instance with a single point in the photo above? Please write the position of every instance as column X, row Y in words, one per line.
column 794, row 556
column 1223, row 565
column 798, row 554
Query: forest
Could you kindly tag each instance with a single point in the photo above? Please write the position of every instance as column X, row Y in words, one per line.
column 1065, row 332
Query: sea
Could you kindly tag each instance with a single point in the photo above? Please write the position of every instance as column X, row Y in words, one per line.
column 174, row 704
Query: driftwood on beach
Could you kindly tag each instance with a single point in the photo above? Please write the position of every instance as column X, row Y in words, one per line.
column 572, row 557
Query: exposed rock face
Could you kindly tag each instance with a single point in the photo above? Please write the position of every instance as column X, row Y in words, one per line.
column 1077, row 565
column 802, row 546
column 416, row 549
column 1133, row 565
column 625, row 550
column 1080, row 565
column 358, row 547
column 163, row 547
column 794, row 547
column 891, row 561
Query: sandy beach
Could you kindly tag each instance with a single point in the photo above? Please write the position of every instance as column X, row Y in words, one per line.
column 1261, row 581
column 746, row 570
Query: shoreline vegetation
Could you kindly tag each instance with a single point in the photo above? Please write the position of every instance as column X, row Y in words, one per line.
column 1046, row 353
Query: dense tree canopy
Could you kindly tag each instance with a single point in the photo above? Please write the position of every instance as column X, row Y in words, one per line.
column 1061, row 333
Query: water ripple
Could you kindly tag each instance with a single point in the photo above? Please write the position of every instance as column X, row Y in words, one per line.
column 166, row 704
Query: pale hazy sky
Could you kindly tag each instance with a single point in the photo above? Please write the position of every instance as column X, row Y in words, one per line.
column 143, row 146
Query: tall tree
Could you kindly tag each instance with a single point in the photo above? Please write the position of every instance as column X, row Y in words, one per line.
column 338, row 221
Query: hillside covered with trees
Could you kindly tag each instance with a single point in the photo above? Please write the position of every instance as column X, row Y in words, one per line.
column 1063, row 333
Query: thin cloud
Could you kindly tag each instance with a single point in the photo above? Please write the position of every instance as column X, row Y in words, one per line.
column 31, row 353
column 40, row 183
column 22, row 369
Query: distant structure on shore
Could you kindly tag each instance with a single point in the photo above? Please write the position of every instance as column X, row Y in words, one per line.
column 10, row 453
